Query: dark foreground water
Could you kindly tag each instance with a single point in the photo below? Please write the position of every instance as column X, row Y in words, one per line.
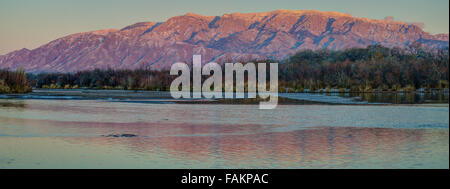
column 37, row 133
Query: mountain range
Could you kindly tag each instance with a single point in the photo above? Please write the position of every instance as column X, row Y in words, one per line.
column 227, row 38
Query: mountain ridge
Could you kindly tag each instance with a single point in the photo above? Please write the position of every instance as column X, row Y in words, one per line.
column 230, row 37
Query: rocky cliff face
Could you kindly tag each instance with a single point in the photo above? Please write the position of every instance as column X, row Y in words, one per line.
column 230, row 37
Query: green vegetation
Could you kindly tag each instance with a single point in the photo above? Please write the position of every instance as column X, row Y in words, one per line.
column 14, row 82
column 104, row 79
column 375, row 68
column 370, row 69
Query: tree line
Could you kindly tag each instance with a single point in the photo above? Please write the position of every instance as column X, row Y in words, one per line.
column 375, row 68
column 142, row 79
column 367, row 69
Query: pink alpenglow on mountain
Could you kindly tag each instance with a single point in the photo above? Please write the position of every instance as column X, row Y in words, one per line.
column 227, row 38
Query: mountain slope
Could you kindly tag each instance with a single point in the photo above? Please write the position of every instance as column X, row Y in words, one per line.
column 230, row 37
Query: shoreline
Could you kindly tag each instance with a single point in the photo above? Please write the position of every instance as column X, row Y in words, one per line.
column 143, row 96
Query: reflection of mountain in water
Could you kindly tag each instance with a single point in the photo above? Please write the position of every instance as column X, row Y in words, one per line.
column 325, row 147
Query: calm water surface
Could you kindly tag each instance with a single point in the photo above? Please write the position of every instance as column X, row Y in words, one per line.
column 41, row 133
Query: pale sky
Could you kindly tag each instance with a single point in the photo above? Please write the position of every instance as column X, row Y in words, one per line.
column 32, row 23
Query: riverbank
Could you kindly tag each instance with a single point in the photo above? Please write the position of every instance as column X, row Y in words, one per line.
column 138, row 96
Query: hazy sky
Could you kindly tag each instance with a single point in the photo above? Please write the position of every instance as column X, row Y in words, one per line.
column 31, row 23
